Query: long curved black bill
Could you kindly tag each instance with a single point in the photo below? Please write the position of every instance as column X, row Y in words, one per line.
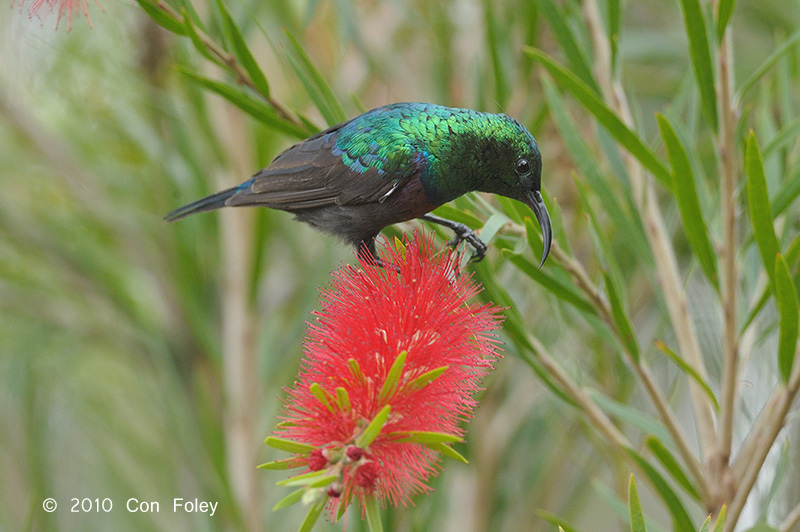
column 536, row 203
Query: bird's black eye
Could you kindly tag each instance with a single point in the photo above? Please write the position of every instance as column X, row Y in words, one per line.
column 523, row 167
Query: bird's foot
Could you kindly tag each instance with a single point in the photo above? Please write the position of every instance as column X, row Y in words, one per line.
column 462, row 233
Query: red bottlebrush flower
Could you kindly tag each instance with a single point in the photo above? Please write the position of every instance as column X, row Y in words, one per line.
column 43, row 9
column 390, row 369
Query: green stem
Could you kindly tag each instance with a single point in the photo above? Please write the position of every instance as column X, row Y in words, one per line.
column 373, row 515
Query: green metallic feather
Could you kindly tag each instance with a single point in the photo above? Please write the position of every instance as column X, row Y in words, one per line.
column 457, row 150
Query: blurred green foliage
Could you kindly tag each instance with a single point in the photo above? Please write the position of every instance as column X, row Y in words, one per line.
column 118, row 331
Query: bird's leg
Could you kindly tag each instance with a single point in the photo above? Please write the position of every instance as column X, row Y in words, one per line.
column 462, row 233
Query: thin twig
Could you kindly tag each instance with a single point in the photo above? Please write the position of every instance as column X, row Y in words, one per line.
column 598, row 418
column 725, row 148
column 776, row 418
column 666, row 414
column 666, row 263
column 791, row 520
column 748, row 448
column 585, row 284
column 671, row 422
column 240, row 74
column 581, row 278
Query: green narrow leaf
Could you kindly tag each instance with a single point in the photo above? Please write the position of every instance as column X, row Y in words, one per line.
column 675, row 357
column 680, row 517
column 758, row 206
column 492, row 226
column 494, row 32
column 448, row 451
column 191, row 31
column 393, row 376
column 323, row 481
column 310, row 479
column 618, row 505
column 778, row 476
column 516, row 330
column 562, row 31
column 706, row 525
column 560, row 290
column 343, row 398
column 630, row 415
column 342, row 509
column 374, row 428
column 162, row 18
column 355, row 369
column 281, row 465
column 605, row 116
column 793, row 252
column 786, row 298
column 786, row 195
column 724, row 12
column 534, row 237
column 373, row 514
column 763, row 527
column 671, row 465
column 621, row 320
column 424, row 437
column 614, row 17
column 559, row 232
column 685, row 190
column 312, row 515
column 426, row 378
column 720, row 524
column 755, row 309
column 556, row 520
column 288, row 445
column 513, row 209
column 589, row 166
column 786, row 135
column 600, row 240
column 635, row 507
column 792, row 255
column 458, row 215
column 318, row 89
column 241, row 51
column 767, row 64
column 193, row 14
column 694, row 21
column 247, row 102
column 293, row 498
column 321, row 395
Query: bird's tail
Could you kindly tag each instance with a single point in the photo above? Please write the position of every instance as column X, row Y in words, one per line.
column 209, row 203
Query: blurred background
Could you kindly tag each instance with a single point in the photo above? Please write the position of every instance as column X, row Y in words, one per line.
column 144, row 359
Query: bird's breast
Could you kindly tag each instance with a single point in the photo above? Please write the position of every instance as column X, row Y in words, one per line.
column 410, row 201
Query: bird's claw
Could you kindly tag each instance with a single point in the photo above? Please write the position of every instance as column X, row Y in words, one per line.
column 464, row 233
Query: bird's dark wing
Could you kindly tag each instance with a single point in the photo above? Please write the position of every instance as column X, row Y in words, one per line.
column 315, row 173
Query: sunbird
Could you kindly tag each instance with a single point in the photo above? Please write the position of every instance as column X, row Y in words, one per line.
column 392, row 164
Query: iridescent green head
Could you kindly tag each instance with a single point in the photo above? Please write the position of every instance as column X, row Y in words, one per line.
column 489, row 153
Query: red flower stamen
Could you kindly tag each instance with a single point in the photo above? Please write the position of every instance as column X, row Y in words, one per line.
column 43, row 8
column 395, row 352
